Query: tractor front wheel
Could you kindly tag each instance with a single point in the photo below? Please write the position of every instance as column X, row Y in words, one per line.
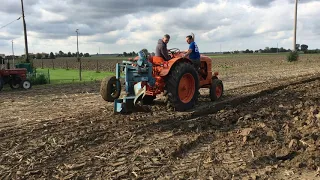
column 216, row 89
column 109, row 89
column 182, row 87
column 26, row 84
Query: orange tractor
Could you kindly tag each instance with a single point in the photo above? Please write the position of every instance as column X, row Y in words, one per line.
column 145, row 77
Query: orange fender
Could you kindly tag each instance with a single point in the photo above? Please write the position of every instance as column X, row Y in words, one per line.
column 171, row 63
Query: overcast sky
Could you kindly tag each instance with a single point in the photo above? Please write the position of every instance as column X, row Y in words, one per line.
column 127, row 25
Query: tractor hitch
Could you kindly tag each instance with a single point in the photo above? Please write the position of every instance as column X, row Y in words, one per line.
column 137, row 75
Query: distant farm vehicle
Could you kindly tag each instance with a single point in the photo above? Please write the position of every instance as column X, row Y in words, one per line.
column 16, row 78
column 147, row 76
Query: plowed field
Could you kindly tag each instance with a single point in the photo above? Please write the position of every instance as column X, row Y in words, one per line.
column 263, row 128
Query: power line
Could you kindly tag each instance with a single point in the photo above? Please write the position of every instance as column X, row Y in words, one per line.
column 10, row 23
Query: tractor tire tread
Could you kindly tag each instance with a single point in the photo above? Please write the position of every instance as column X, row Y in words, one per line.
column 1, row 83
column 214, row 82
column 21, row 84
column 14, row 79
column 105, row 89
column 172, row 85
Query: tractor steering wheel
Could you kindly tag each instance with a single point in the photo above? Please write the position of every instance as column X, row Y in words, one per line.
column 173, row 51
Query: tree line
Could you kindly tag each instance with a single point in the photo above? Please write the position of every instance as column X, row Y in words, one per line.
column 56, row 55
column 69, row 54
column 302, row 47
column 131, row 54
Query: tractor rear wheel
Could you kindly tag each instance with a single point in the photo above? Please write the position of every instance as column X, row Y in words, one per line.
column 1, row 83
column 26, row 84
column 216, row 89
column 15, row 82
column 109, row 90
column 182, row 87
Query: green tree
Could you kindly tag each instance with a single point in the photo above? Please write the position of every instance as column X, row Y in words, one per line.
column 69, row 54
column 81, row 54
column 39, row 56
column 273, row 50
column 52, row 56
column 61, row 54
column 281, row 49
column 304, row 47
column 86, row 55
column 293, row 56
column 267, row 49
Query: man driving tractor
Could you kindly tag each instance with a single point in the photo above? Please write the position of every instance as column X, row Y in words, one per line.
column 192, row 52
column 161, row 49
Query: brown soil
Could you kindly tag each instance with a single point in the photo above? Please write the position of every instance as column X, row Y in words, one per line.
column 276, row 135
column 264, row 131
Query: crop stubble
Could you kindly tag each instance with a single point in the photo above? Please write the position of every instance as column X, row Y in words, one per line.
column 273, row 135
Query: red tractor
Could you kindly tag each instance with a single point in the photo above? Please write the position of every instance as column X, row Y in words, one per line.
column 148, row 76
column 16, row 78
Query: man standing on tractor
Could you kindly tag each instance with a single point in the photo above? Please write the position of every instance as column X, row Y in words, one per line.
column 161, row 49
column 193, row 52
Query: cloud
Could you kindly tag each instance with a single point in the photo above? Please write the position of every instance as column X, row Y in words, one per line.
column 14, row 7
column 261, row 3
column 101, row 9
column 125, row 25
column 303, row 2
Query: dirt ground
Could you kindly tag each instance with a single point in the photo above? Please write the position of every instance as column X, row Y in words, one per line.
column 69, row 132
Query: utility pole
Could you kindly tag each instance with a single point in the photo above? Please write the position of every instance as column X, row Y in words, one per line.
column 13, row 55
column 295, row 26
column 25, row 34
column 78, row 58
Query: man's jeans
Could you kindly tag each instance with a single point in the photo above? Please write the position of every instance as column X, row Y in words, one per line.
column 196, row 64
